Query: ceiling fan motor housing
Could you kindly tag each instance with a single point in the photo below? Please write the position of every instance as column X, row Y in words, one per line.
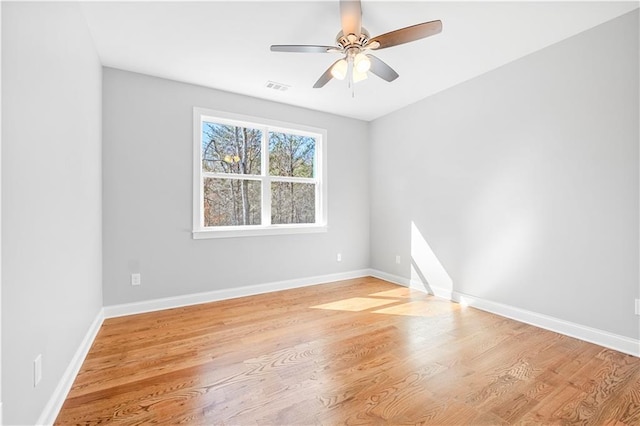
column 353, row 40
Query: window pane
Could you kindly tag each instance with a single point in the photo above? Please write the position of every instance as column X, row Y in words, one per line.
column 232, row 202
column 293, row 202
column 230, row 149
column 291, row 155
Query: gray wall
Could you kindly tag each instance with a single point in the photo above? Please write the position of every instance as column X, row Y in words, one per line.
column 147, row 196
column 523, row 182
column 51, row 197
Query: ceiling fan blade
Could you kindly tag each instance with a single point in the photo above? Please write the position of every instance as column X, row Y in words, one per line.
column 381, row 69
column 407, row 34
column 301, row 48
column 326, row 77
column 351, row 17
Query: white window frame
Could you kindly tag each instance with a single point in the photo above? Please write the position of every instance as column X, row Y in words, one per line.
column 201, row 115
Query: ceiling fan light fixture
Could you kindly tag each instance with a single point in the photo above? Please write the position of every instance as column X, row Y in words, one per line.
column 359, row 76
column 339, row 70
column 362, row 63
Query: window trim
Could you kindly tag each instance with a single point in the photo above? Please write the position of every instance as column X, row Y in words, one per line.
column 199, row 231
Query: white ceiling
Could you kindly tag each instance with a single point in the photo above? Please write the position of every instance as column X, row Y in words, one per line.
column 225, row 45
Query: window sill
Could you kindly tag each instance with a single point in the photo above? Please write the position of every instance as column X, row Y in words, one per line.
column 235, row 232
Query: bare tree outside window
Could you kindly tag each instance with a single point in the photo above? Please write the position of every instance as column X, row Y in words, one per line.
column 257, row 176
column 292, row 156
column 293, row 202
column 224, row 202
column 231, row 150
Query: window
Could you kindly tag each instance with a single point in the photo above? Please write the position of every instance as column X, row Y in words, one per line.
column 256, row 177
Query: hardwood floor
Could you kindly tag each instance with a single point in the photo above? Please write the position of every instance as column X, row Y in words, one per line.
column 361, row 351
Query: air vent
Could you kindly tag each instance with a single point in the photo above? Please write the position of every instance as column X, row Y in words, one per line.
column 277, row 86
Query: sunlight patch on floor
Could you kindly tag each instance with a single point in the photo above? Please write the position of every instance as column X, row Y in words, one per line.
column 401, row 292
column 355, row 304
column 393, row 302
column 417, row 308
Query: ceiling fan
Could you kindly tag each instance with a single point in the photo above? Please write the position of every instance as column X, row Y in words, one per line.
column 354, row 42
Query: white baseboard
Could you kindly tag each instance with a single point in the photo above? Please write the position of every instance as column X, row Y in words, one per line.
column 589, row 334
column 396, row 279
column 51, row 410
column 592, row 335
column 412, row 284
column 113, row 311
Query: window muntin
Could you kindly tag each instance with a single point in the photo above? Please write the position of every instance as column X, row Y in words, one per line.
column 256, row 177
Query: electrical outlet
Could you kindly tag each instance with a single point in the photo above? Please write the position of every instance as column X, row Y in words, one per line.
column 135, row 279
column 637, row 306
column 339, row 257
column 37, row 370
column 398, row 259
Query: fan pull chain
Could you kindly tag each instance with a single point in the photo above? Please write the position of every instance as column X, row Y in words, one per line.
column 352, row 85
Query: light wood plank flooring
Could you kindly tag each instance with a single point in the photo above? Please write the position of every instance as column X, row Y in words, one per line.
column 361, row 351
